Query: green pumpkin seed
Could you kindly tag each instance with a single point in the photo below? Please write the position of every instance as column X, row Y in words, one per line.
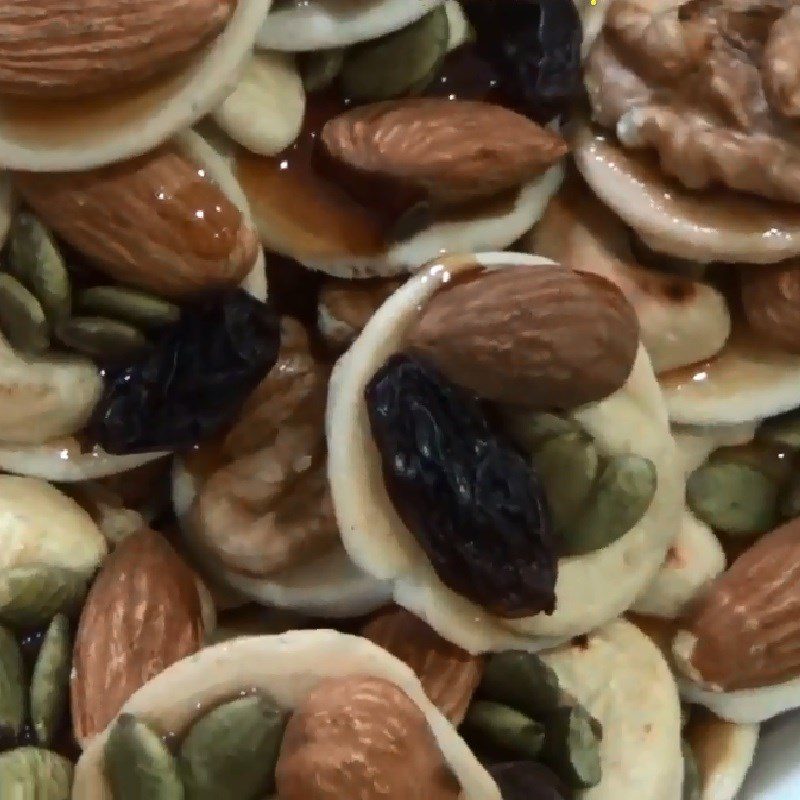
column 21, row 317
column 531, row 430
column 12, row 685
column 99, row 337
column 692, row 783
column 140, row 309
column 572, row 747
column 783, row 430
column 495, row 727
column 31, row 596
column 231, row 752
column 31, row 773
column 320, row 68
column 567, row 465
column 138, row 764
column 400, row 63
column 50, row 681
column 733, row 497
column 36, row 261
column 522, row 681
column 790, row 501
column 621, row 496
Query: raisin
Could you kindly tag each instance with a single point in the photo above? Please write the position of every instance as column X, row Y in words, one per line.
column 470, row 499
column 193, row 383
column 527, row 780
column 535, row 45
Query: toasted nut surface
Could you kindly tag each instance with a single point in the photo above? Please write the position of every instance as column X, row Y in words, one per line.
column 155, row 222
column 453, row 151
column 448, row 674
column 361, row 737
column 68, row 48
column 771, row 304
column 545, row 337
column 744, row 631
column 141, row 615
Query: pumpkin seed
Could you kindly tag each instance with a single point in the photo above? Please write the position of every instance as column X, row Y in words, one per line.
column 783, row 430
column 572, row 746
column 12, row 686
column 733, row 497
column 692, row 782
column 36, row 261
column 21, row 317
column 32, row 773
column 231, row 752
column 531, row 430
column 320, row 68
column 138, row 764
column 495, row 727
column 101, row 338
column 140, row 309
column 567, row 465
column 790, row 502
column 522, row 681
column 621, row 496
column 400, row 63
column 50, row 681
column 31, row 596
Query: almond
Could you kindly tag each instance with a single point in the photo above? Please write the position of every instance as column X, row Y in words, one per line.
column 154, row 222
column 69, row 48
column 142, row 614
column 771, row 303
column 545, row 337
column 744, row 632
column 450, row 151
column 449, row 675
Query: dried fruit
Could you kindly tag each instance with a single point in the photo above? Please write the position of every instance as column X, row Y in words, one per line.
column 448, row 674
column 527, row 780
column 545, row 337
column 399, row 63
column 105, row 340
column 194, row 380
column 50, row 680
column 473, row 504
column 742, row 633
column 138, row 764
column 12, row 687
column 444, row 151
column 95, row 47
column 31, row 772
column 119, row 302
column 155, row 222
column 142, row 614
column 231, row 752
column 535, row 45
column 361, row 737
column 22, row 319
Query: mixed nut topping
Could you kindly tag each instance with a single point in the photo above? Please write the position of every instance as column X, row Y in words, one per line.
column 397, row 400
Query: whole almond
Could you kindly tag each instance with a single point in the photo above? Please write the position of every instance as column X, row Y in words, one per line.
column 544, row 337
column 744, row 632
column 451, row 151
column 69, row 48
column 771, row 304
column 155, row 222
column 449, row 675
column 142, row 614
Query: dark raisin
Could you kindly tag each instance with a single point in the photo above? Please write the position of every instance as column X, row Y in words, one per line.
column 527, row 780
column 193, row 382
column 472, row 502
column 535, row 45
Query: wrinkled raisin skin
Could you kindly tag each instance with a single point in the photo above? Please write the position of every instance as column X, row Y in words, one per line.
column 535, row 45
column 193, row 382
column 527, row 780
column 471, row 501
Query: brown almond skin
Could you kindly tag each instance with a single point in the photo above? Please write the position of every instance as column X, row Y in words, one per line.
column 771, row 304
column 747, row 624
column 544, row 337
column 153, row 222
column 449, row 675
column 73, row 48
column 361, row 737
column 450, row 151
column 141, row 615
